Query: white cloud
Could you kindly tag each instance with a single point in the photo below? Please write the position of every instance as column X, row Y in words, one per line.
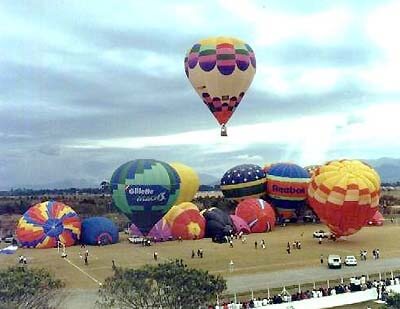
column 313, row 137
column 272, row 26
column 382, row 26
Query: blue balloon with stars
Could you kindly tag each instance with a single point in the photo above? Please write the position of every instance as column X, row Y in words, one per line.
column 243, row 181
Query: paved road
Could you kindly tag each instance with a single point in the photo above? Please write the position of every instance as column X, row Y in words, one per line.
column 78, row 298
column 262, row 281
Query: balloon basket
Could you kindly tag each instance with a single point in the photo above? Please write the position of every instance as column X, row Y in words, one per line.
column 224, row 131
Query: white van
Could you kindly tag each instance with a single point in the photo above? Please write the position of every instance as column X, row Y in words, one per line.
column 334, row 261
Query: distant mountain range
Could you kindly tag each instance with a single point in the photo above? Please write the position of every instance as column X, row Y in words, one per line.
column 209, row 180
column 388, row 169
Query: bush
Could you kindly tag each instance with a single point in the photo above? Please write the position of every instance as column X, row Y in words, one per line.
column 28, row 288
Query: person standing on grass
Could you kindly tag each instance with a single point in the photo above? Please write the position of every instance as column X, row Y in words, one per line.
column 255, row 244
column 86, row 258
column 322, row 259
column 288, row 250
column 155, row 256
column 193, row 254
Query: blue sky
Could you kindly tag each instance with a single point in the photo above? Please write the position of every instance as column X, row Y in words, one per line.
column 88, row 85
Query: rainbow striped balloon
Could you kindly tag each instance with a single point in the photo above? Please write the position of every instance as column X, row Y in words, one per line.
column 44, row 224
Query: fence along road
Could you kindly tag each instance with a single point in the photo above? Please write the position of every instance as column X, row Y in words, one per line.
column 276, row 279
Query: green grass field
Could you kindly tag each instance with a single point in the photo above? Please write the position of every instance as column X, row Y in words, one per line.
column 216, row 256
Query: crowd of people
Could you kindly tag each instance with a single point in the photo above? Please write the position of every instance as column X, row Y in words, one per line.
column 356, row 284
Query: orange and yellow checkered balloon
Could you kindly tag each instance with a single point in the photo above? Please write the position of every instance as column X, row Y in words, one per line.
column 345, row 195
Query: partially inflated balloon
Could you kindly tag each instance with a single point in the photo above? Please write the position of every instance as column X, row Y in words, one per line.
column 99, row 230
column 44, row 224
column 186, row 221
column 287, row 188
column 345, row 195
column 240, row 225
column 258, row 214
column 190, row 182
column 161, row 231
column 243, row 181
column 218, row 223
column 145, row 190
column 221, row 70
column 377, row 219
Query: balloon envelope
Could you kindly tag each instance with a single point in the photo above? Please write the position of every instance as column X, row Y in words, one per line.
column 190, row 182
column 44, row 224
column 145, row 190
column 186, row 221
column 243, row 181
column 99, row 230
column 218, row 223
column 287, row 185
column 220, row 70
column 134, row 230
column 161, row 231
column 345, row 195
column 240, row 225
column 258, row 214
column 377, row 219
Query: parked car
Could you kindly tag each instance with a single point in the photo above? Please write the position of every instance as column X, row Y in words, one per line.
column 321, row 233
column 350, row 260
column 9, row 239
column 308, row 219
column 334, row 261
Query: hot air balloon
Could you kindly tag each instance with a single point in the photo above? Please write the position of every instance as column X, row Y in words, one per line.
column 218, row 223
column 240, row 225
column 190, row 182
column 44, row 224
column 258, row 214
column 345, row 195
column 243, row 181
column 287, row 188
column 186, row 222
column 161, row 231
column 221, row 70
column 99, row 230
column 145, row 190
